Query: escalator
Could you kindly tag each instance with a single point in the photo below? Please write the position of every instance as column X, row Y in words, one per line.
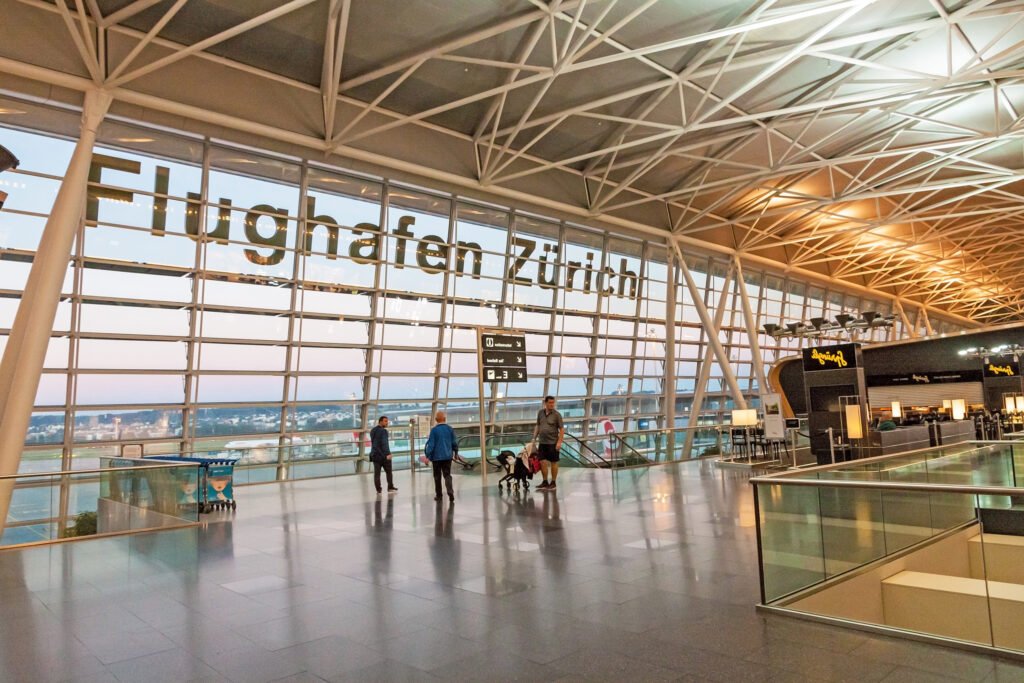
column 575, row 451
column 578, row 450
column 629, row 456
column 616, row 452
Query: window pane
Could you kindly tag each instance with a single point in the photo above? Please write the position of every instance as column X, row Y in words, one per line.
column 113, row 389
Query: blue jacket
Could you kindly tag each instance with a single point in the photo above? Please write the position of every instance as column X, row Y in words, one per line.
column 379, row 447
column 440, row 443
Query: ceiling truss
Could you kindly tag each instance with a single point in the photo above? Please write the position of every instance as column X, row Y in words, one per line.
column 773, row 125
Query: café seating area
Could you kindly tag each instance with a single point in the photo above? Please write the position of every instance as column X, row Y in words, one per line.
column 751, row 443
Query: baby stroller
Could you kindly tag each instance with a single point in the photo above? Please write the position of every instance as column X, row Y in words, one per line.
column 519, row 468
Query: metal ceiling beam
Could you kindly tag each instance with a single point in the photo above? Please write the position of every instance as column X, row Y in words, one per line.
column 334, row 53
column 207, row 43
column 699, row 116
column 81, row 36
column 147, row 40
column 128, row 11
column 470, row 38
column 719, row 149
column 763, row 57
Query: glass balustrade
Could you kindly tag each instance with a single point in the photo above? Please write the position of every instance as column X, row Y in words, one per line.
column 121, row 496
column 930, row 542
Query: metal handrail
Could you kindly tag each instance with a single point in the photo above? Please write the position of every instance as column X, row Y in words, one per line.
column 403, row 429
column 279, row 446
column 894, row 486
column 592, row 452
column 637, row 454
column 101, row 470
column 879, row 458
column 618, row 440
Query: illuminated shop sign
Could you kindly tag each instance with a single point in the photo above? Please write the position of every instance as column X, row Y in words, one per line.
column 544, row 267
column 919, row 378
column 839, row 357
column 1002, row 368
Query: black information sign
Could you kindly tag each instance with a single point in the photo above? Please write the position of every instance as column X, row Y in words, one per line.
column 503, row 357
column 838, row 357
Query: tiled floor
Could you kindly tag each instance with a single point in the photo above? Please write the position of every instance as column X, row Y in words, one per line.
column 631, row 576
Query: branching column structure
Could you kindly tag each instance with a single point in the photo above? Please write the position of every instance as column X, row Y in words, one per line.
column 22, row 362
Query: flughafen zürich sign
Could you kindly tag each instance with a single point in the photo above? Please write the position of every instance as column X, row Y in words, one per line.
column 431, row 252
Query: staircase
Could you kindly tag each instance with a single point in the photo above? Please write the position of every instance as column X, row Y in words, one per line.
column 968, row 586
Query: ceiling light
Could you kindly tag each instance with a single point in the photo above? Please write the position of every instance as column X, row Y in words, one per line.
column 843, row 323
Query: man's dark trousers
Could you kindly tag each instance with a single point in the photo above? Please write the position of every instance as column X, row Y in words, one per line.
column 443, row 468
column 385, row 465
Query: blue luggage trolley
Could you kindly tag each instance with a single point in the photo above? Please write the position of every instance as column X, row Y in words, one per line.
column 214, row 490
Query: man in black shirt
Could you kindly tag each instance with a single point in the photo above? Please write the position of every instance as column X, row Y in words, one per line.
column 380, row 454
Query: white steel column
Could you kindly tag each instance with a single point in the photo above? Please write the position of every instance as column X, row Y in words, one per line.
column 22, row 362
column 911, row 329
column 705, row 367
column 927, row 322
column 669, row 387
column 752, row 333
column 705, row 319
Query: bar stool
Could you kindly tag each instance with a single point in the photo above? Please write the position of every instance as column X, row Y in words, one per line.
column 739, row 443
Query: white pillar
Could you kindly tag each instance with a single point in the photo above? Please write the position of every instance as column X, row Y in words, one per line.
column 669, row 387
column 23, row 358
column 910, row 329
column 705, row 370
column 752, row 332
column 927, row 322
column 705, row 319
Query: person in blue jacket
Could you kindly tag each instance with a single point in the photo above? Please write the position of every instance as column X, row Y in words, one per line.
column 439, row 450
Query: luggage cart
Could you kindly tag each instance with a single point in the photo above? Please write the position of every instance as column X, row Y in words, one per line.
column 214, row 490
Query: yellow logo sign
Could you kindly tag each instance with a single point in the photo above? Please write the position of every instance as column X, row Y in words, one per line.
column 1000, row 370
column 829, row 357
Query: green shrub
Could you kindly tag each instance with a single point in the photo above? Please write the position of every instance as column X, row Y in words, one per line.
column 85, row 525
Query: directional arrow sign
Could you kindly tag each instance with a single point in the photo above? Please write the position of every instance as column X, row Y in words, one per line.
column 503, row 342
column 503, row 357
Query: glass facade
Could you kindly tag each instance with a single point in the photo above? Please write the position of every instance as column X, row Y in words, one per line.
column 221, row 296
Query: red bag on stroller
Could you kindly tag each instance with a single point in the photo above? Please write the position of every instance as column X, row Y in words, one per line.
column 534, row 463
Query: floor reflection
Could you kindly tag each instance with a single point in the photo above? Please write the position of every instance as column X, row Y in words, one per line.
column 638, row 575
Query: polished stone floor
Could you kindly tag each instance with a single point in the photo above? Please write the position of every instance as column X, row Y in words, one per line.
column 644, row 575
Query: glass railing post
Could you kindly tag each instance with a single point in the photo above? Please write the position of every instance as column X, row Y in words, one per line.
column 65, row 496
column 760, row 551
column 980, row 569
column 412, row 447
